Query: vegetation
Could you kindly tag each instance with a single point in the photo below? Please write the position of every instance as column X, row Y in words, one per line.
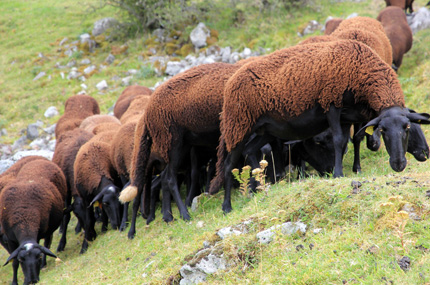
column 362, row 236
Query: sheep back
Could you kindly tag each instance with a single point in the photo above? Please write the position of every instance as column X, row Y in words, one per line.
column 136, row 107
column 395, row 24
column 107, row 127
column 66, row 123
column 89, row 123
column 192, row 99
column 287, row 82
column 91, row 164
column 82, row 104
column 318, row 39
column 13, row 171
column 122, row 148
column 127, row 96
column 332, row 25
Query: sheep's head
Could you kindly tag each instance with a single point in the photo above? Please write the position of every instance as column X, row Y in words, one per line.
column 108, row 197
column 30, row 255
column 395, row 126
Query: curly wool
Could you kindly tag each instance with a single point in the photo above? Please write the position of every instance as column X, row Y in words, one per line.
column 332, row 25
column 11, row 173
column 395, row 24
column 127, row 96
column 288, row 82
column 122, row 148
column 137, row 108
column 89, row 123
column 368, row 31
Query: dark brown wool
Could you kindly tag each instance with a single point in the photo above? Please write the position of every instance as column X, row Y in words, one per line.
column 290, row 81
column 12, row 171
column 402, row 4
column 128, row 95
column 331, row 25
column 393, row 19
column 136, row 109
column 122, row 148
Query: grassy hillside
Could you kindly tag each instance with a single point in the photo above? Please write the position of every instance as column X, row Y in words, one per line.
column 360, row 241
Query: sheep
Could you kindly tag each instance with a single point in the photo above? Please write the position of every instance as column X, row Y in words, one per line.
column 298, row 92
column 96, row 181
column 106, row 128
column 332, row 25
column 403, row 4
column 182, row 112
column 31, row 208
column 398, row 31
column 12, row 172
column 368, row 31
column 66, row 149
column 127, row 96
column 135, row 109
column 76, row 108
column 89, row 123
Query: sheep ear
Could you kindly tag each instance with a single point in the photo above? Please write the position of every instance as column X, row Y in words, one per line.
column 368, row 128
column 98, row 197
column 46, row 251
column 13, row 255
column 420, row 118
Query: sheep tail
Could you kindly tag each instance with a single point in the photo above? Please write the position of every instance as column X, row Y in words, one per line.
column 218, row 180
column 141, row 154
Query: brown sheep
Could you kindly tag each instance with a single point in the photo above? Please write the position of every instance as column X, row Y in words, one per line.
column 318, row 39
column 188, row 107
column 402, row 4
column 12, row 172
column 398, row 31
column 332, row 25
column 31, row 208
column 136, row 109
column 107, row 127
column 89, row 123
column 76, row 108
column 128, row 95
column 368, row 31
column 66, row 149
column 96, row 181
column 298, row 92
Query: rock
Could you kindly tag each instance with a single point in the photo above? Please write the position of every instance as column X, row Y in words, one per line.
column 196, row 202
column 290, row 228
column 200, row 224
column 419, row 20
column 174, row 67
column 86, row 39
column 266, row 236
column 71, row 63
column 5, row 164
column 32, row 131
column 74, row 73
column 404, row 263
column 199, row 35
column 352, row 15
column 191, row 275
column 101, row 26
column 225, row 54
column 126, row 81
column 89, row 69
column 131, row 72
column 102, row 85
column 20, row 154
column 409, row 208
column 317, row 231
column 63, row 41
column 84, row 86
column 206, row 244
column 159, row 34
column 3, row 132
column 85, row 61
column 225, row 232
column 39, row 144
column 311, row 28
column 40, row 75
column 211, row 264
column 246, row 53
column 19, row 143
column 51, row 112
column 110, row 59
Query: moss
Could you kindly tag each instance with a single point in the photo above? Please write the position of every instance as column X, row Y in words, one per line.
column 186, row 50
column 170, row 48
column 100, row 39
column 214, row 33
column 212, row 40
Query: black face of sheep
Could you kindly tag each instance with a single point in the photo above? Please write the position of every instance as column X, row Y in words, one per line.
column 30, row 256
column 395, row 125
column 110, row 204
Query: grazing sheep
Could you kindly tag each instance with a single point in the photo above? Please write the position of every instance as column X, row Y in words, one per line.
column 106, row 128
column 127, row 96
column 368, row 31
column 31, row 208
column 89, row 123
column 135, row 109
column 76, row 108
column 403, row 4
column 318, row 39
column 183, row 112
column 96, row 181
column 66, row 149
column 12, row 172
column 332, row 25
column 298, row 92
column 398, row 31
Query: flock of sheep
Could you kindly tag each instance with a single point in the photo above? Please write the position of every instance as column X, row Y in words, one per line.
column 201, row 124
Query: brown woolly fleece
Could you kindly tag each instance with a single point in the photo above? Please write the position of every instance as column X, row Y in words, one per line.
column 91, row 164
column 107, row 127
column 137, row 108
column 89, row 123
column 395, row 24
column 192, row 99
column 318, row 39
column 368, row 31
column 290, row 81
column 67, row 123
column 12, row 172
column 66, row 149
column 105, row 136
column 122, row 148
column 81, row 104
column 41, row 168
column 332, row 25
column 128, row 95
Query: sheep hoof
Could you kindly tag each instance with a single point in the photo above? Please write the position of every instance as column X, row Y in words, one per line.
column 131, row 234
column 227, row 209
column 150, row 219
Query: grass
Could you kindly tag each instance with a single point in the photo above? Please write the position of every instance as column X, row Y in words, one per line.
column 358, row 243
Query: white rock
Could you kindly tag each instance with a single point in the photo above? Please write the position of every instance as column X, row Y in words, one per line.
column 103, row 25
column 225, row 232
column 45, row 153
column 199, row 35
column 63, row 41
column 352, row 15
column 211, row 264
column 89, row 69
column 317, row 231
column 291, row 228
column 246, row 52
column 85, row 61
column 84, row 86
column 51, row 112
column 191, row 275
column 419, row 20
column 266, row 236
column 40, row 75
column 126, row 81
column 102, row 85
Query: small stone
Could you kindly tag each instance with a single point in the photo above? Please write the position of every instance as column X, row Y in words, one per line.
column 352, row 15
column 126, row 81
column 266, row 237
column 290, row 228
column 3, row 132
column 51, row 112
column 110, row 59
column 246, row 52
column 199, row 35
column 89, row 69
column 200, row 224
column 63, row 41
column 206, row 244
column 373, row 249
column 300, row 247
column 84, row 86
column 102, row 85
column 45, row 153
column 355, row 184
column 85, row 61
column 5, row 164
column 428, row 193
column 404, row 263
column 317, row 231
column 225, row 232
column 40, row 75
column 103, row 25
column 32, row 132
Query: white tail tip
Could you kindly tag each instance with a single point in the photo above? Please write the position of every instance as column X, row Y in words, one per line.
column 128, row 194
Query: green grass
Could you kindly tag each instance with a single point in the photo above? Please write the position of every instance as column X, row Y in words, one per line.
column 351, row 223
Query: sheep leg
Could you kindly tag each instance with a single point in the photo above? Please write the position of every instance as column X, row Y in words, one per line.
column 356, row 166
column 105, row 221
column 136, row 205
column 47, row 243
column 15, row 265
column 339, row 140
column 124, row 217
column 194, row 187
column 166, row 207
column 90, row 233
column 155, row 195
column 210, row 173
column 231, row 161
